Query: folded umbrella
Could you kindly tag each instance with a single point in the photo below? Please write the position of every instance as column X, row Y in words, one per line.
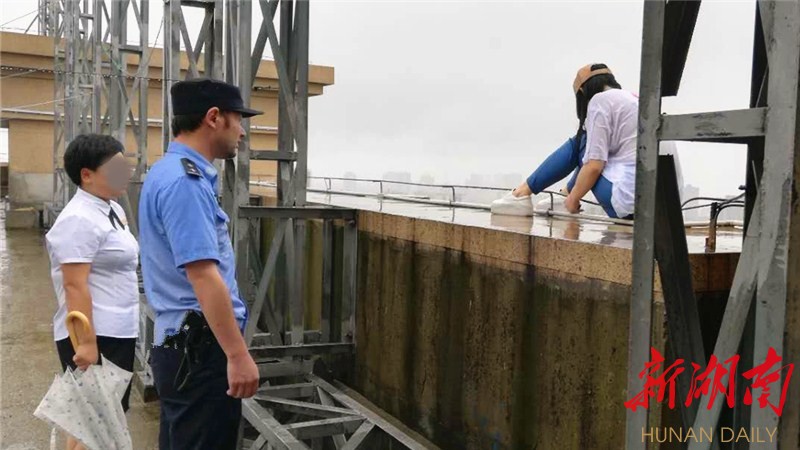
column 87, row 404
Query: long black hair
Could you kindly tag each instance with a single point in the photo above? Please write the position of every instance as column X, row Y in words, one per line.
column 589, row 89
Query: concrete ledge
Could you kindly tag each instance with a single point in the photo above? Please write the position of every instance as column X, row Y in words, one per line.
column 516, row 251
column 30, row 189
column 22, row 218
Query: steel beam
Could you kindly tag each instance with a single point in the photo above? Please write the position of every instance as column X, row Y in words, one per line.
column 171, row 66
column 290, row 391
column 143, row 90
column 286, row 96
column 719, row 126
column 242, row 175
column 304, row 408
column 276, row 351
column 261, row 299
column 43, row 18
column 359, row 438
column 683, row 319
column 328, row 267
column 775, row 195
column 734, row 318
column 292, row 297
column 285, row 145
column 758, row 98
column 641, row 308
column 349, row 281
column 300, row 53
column 231, row 76
column 339, row 440
column 270, row 155
column 325, row 427
column 370, row 415
column 262, row 339
column 298, row 276
column 269, row 427
column 284, row 368
column 59, row 32
column 680, row 19
column 307, row 213
column 298, row 67
column 268, row 11
column 97, row 55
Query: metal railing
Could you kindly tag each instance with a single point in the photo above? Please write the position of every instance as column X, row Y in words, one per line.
column 453, row 202
column 451, row 187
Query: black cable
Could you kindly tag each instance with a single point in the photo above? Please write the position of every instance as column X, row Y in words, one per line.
column 91, row 74
column 20, row 17
column 721, row 201
column 729, row 205
column 709, row 204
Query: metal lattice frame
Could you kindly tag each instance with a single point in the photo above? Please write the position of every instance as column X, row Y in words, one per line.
column 176, row 36
column 285, row 343
column 760, row 302
column 122, row 91
column 306, row 412
column 90, row 74
column 78, row 26
column 43, row 18
column 91, row 64
column 57, row 28
column 207, row 44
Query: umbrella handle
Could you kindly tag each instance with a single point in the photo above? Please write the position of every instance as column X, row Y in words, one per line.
column 73, row 335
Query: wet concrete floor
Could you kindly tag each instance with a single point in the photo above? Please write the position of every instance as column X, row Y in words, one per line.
column 28, row 360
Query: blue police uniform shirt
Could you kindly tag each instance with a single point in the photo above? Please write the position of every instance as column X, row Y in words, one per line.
column 180, row 221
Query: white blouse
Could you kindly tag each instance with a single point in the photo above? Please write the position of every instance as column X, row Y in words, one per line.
column 612, row 119
column 87, row 232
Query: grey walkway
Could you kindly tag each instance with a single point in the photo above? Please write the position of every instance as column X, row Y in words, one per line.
column 28, row 360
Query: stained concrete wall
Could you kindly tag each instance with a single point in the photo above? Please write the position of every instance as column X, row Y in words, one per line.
column 30, row 163
column 486, row 339
column 479, row 356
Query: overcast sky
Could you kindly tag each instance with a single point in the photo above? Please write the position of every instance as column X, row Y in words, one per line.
column 452, row 88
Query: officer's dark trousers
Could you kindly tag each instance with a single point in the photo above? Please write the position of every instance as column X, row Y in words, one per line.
column 202, row 416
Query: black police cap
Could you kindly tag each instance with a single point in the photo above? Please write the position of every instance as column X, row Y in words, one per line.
column 199, row 95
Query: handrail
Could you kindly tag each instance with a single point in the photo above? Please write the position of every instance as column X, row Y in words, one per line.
column 456, row 204
column 452, row 187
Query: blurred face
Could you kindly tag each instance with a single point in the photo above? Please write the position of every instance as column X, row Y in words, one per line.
column 229, row 133
column 110, row 180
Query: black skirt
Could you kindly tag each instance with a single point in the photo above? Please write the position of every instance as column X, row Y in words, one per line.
column 119, row 351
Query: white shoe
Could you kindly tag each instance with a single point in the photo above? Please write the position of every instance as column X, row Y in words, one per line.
column 513, row 206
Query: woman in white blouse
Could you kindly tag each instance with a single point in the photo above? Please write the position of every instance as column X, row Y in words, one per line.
column 93, row 259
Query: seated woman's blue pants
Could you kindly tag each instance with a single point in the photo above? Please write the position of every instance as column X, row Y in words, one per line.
column 569, row 158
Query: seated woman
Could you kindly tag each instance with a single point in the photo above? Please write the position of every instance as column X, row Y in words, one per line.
column 602, row 153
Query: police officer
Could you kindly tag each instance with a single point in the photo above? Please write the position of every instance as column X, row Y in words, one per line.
column 200, row 361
